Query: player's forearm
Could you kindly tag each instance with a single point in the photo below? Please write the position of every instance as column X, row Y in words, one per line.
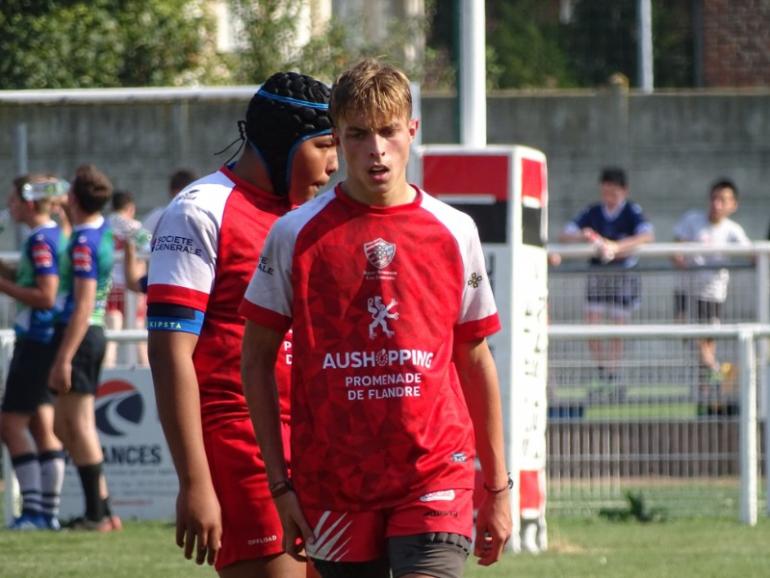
column 77, row 327
column 34, row 297
column 7, row 271
column 178, row 400
column 132, row 268
column 486, row 416
column 262, row 396
column 478, row 377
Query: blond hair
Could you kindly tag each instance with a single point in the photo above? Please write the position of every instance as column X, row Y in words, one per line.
column 377, row 91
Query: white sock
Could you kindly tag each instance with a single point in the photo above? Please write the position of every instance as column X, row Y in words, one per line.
column 51, row 480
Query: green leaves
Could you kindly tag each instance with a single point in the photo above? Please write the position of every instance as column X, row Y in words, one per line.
column 99, row 43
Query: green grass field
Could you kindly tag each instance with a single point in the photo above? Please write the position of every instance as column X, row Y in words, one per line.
column 578, row 548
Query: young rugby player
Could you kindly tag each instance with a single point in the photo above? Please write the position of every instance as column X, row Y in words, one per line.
column 204, row 250
column 27, row 413
column 387, row 294
column 80, row 341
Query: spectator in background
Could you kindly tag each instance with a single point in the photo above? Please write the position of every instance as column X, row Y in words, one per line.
column 124, row 227
column 704, row 290
column 179, row 180
column 615, row 226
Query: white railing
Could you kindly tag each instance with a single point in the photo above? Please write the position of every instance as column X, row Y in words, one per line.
column 746, row 335
column 759, row 251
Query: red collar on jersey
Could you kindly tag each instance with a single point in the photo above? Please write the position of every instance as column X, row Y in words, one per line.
column 363, row 207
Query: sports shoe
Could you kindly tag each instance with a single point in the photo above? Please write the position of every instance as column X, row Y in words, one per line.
column 115, row 521
column 51, row 522
column 28, row 522
column 86, row 525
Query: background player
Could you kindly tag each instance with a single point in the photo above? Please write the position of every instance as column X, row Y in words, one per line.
column 124, row 227
column 27, row 414
column 384, row 287
column 205, row 248
column 178, row 180
column 79, row 335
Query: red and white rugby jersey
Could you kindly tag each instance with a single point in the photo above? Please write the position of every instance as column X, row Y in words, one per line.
column 375, row 297
column 204, row 251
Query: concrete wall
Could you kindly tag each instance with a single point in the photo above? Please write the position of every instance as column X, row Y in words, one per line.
column 673, row 144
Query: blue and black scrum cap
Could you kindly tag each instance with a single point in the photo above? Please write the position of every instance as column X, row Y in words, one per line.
column 288, row 109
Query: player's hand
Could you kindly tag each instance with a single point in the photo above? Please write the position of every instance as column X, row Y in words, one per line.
column 493, row 527
column 60, row 378
column 297, row 534
column 199, row 523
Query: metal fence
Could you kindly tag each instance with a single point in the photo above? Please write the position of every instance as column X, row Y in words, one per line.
column 659, row 427
column 658, row 424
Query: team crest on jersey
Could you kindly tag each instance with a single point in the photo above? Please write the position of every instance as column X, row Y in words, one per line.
column 81, row 258
column 41, row 255
column 379, row 252
column 380, row 315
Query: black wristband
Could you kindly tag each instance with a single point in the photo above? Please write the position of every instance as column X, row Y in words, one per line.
column 278, row 489
column 507, row 486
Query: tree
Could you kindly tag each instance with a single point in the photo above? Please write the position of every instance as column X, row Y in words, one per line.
column 523, row 49
column 100, row 43
column 269, row 43
column 603, row 39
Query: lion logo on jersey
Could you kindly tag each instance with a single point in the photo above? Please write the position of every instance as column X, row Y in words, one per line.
column 379, row 252
column 380, row 315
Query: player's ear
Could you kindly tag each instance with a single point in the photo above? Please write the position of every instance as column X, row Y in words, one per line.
column 414, row 125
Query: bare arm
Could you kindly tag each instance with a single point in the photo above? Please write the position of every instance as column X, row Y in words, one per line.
column 478, row 377
column 579, row 236
column 84, row 294
column 7, row 271
column 627, row 245
column 42, row 296
column 260, row 348
column 133, row 268
column 178, row 400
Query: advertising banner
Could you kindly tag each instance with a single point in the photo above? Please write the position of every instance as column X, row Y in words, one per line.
column 137, row 463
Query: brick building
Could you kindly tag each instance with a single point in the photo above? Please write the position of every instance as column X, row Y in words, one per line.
column 732, row 43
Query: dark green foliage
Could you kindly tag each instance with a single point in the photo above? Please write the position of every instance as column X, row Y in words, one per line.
column 98, row 43
column 603, row 38
column 523, row 46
